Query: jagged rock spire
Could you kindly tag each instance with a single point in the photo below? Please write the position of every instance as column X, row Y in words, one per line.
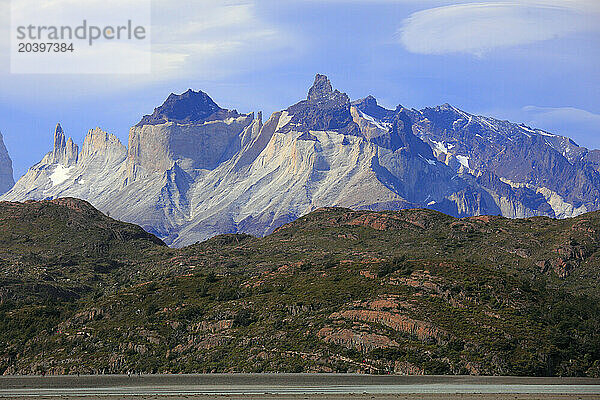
column 321, row 89
column 59, row 137
column 98, row 143
column 64, row 151
column 323, row 109
column 322, row 92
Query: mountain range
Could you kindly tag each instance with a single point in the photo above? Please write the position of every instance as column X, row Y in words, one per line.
column 192, row 170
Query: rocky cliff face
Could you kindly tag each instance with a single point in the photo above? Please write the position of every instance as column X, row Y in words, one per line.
column 6, row 171
column 192, row 146
column 193, row 170
column 546, row 174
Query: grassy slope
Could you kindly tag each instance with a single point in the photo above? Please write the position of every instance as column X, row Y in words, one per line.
column 413, row 291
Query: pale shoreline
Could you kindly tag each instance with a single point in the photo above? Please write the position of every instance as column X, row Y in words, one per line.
column 296, row 386
column 283, row 378
column 405, row 396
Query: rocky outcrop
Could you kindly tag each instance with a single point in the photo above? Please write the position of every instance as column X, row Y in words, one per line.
column 406, row 368
column 102, row 146
column 567, row 258
column 398, row 322
column 6, row 171
column 212, row 326
column 361, row 341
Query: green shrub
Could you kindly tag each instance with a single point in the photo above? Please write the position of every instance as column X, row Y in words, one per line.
column 396, row 264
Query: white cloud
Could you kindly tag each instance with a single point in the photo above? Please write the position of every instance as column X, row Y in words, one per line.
column 196, row 40
column 210, row 39
column 479, row 27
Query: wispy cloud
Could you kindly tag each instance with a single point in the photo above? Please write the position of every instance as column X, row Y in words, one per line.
column 207, row 38
column 479, row 27
column 197, row 40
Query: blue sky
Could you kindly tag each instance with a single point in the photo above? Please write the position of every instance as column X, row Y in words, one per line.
column 531, row 61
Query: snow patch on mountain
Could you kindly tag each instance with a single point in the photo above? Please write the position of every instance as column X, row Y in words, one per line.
column 485, row 121
column 545, row 133
column 384, row 126
column 60, row 174
column 512, row 184
column 464, row 161
column 439, row 147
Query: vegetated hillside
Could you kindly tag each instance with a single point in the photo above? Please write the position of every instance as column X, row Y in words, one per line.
column 406, row 292
column 63, row 249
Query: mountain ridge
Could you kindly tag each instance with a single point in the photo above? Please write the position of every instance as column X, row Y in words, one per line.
column 192, row 169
